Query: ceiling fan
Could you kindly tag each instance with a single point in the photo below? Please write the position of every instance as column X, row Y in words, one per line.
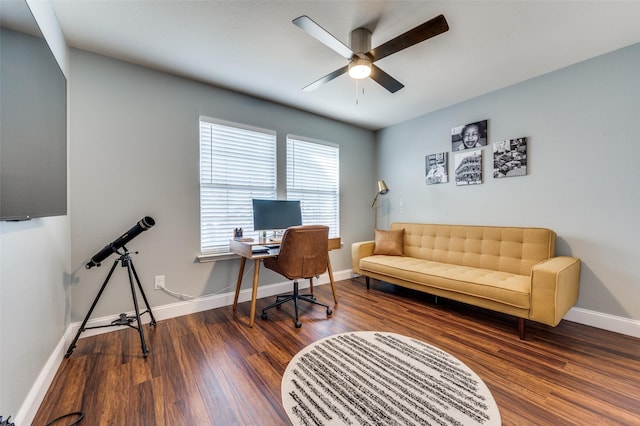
column 360, row 55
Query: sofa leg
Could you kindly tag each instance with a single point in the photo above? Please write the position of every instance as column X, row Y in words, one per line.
column 521, row 328
column 366, row 279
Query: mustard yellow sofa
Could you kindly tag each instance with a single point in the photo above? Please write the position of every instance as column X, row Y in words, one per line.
column 506, row 269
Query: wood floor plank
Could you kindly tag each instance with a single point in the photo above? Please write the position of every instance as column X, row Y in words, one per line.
column 210, row 368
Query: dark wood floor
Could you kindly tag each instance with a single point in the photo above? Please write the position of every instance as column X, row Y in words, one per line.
column 210, row 368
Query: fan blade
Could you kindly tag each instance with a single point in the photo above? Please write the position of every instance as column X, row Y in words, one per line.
column 385, row 80
column 307, row 25
column 327, row 78
column 431, row 28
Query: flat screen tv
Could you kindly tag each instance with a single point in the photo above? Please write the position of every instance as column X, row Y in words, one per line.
column 273, row 215
column 33, row 120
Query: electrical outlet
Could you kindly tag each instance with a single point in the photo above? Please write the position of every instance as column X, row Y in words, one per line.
column 159, row 282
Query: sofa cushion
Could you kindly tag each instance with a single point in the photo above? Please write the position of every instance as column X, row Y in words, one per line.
column 390, row 243
column 506, row 249
column 504, row 287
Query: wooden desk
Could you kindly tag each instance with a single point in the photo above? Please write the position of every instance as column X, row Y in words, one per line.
column 243, row 249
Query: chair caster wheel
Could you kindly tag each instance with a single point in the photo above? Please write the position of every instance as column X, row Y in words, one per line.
column 264, row 316
column 329, row 311
column 298, row 324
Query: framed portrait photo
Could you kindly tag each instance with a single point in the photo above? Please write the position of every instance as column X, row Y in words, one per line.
column 468, row 136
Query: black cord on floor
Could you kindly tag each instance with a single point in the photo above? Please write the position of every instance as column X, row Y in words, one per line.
column 80, row 415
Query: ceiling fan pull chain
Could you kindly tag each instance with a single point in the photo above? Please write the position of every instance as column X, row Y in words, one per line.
column 358, row 91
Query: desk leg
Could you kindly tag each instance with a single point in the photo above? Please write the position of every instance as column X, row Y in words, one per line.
column 239, row 283
column 333, row 284
column 254, row 293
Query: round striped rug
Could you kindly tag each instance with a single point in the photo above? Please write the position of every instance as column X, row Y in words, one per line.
column 375, row 378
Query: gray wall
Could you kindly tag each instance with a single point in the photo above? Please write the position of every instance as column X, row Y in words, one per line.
column 583, row 180
column 34, row 265
column 134, row 153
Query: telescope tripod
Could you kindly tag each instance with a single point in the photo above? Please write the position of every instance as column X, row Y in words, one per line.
column 127, row 262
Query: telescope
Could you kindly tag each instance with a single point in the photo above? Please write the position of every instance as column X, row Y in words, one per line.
column 142, row 225
column 126, row 262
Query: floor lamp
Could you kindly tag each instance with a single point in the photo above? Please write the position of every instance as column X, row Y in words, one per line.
column 382, row 189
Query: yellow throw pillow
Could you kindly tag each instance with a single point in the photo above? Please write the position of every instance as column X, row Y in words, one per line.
column 390, row 243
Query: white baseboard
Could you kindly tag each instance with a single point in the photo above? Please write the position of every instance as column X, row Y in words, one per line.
column 607, row 322
column 30, row 405
column 596, row 319
column 38, row 390
column 204, row 303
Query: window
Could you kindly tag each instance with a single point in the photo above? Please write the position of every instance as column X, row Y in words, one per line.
column 237, row 164
column 313, row 171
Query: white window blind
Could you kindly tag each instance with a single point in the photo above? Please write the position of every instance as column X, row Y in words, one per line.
column 237, row 164
column 313, row 177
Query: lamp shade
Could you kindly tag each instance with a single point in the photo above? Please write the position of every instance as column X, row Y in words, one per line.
column 382, row 187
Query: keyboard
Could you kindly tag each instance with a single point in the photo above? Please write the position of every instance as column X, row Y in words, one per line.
column 259, row 249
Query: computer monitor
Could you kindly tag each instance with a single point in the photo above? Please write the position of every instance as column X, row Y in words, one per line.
column 272, row 215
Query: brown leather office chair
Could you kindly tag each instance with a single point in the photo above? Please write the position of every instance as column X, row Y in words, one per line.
column 304, row 252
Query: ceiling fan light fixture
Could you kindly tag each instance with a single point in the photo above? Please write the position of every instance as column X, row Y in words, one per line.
column 360, row 68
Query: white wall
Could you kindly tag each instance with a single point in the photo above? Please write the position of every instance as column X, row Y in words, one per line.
column 134, row 153
column 583, row 180
column 34, row 265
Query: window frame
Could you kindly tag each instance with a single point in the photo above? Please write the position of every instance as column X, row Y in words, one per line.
column 235, row 189
column 334, row 223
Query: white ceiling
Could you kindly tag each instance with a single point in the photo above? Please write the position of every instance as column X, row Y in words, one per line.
column 251, row 46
